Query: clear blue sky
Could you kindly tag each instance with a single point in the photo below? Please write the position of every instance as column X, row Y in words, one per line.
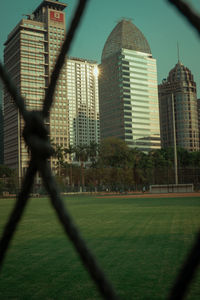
column 161, row 24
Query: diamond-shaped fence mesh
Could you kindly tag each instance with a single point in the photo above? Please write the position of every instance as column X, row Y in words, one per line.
column 37, row 140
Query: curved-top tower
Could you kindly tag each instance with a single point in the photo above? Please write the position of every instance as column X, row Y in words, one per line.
column 179, row 74
column 128, row 95
column 180, row 86
column 125, row 35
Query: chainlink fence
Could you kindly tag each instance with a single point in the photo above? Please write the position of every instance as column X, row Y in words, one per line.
column 37, row 140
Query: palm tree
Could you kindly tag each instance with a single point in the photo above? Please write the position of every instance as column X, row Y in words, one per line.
column 93, row 150
column 82, row 155
column 69, row 151
column 59, row 154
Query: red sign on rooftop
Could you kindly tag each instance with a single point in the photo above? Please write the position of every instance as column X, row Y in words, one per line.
column 56, row 16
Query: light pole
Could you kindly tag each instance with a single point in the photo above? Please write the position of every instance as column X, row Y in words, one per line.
column 174, row 135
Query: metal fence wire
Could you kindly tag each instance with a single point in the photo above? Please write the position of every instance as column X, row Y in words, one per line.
column 37, row 140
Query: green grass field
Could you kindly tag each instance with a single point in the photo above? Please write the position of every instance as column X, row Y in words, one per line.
column 140, row 244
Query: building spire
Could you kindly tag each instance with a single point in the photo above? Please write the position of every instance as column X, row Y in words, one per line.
column 178, row 52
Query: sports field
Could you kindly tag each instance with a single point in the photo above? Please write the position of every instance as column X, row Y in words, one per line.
column 139, row 242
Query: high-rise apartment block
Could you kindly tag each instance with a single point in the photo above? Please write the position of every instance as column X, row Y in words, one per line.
column 83, row 101
column 30, row 54
column 178, row 109
column 128, row 95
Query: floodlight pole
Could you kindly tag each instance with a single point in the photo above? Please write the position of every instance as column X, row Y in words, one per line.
column 175, row 149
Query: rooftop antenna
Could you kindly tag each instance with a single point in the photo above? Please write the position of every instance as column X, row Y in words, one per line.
column 178, row 52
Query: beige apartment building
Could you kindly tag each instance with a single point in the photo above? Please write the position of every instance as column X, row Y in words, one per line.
column 30, row 54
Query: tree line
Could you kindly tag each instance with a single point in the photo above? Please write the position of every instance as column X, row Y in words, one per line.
column 113, row 166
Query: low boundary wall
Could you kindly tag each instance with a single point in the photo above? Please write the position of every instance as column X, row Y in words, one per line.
column 171, row 188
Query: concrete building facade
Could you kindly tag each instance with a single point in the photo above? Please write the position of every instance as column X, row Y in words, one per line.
column 30, row 54
column 128, row 95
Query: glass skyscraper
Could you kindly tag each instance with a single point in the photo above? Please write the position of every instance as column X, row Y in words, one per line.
column 128, row 95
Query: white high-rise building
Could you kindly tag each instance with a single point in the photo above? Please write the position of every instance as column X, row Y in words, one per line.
column 83, row 101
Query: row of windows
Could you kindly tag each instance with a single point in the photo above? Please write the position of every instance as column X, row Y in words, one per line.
column 36, row 55
column 32, row 61
column 56, row 34
column 56, row 29
column 32, row 78
column 32, row 89
column 29, row 67
column 36, row 64
column 38, row 48
column 136, row 59
column 28, row 43
column 31, row 97
column 33, row 25
column 144, row 93
column 140, row 62
column 33, row 72
column 143, row 74
column 58, row 41
column 141, row 101
column 31, row 36
column 137, row 54
column 142, row 83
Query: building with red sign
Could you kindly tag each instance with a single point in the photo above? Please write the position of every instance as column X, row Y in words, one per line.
column 30, row 54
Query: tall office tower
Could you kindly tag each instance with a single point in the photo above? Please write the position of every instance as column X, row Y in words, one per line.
column 30, row 53
column 83, row 101
column 178, row 109
column 128, row 96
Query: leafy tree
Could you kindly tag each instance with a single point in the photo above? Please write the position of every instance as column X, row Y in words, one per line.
column 184, row 157
column 116, row 166
column 136, row 161
column 8, row 179
column 5, row 171
column 113, row 152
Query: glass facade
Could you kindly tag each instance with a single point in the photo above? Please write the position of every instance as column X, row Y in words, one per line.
column 128, row 89
column 140, row 99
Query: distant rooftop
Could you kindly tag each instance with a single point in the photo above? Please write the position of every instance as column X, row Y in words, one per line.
column 54, row 4
column 125, row 35
column 180, row 73
column 82, row 59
